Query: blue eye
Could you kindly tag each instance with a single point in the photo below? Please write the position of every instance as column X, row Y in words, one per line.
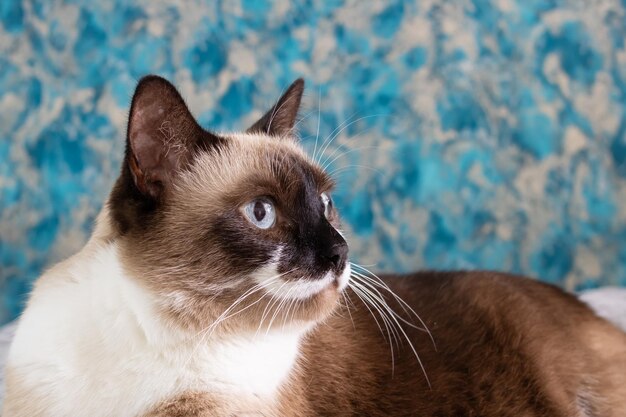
column 260, row 213
column 328, row 204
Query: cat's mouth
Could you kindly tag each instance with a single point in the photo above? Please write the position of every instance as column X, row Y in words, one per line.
column 305, row 288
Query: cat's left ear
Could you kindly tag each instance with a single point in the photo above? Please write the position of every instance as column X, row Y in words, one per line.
column 281, row 118
column 163, row 136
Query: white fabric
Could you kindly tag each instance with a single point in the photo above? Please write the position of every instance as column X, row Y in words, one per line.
column 608, row 302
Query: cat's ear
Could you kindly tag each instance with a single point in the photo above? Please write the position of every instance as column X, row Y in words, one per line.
column 162, row 135
column 281, row 118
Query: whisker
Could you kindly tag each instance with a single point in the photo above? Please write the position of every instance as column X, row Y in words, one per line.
column 400, row 301
column 346, row 299
column 406, row 337
column 268, row 308
column 287, row 311
column 206, row 332
column 302, row 119
column 381, row 306
column 240, row 299
column 332, row 133
column 284, row 299
column 345, row 127
column 347, row 167
column 367, row 306
column 366, row 302
column 222, row 319
column 360, row 148
column 295, row 303
column 254, row 289
column 376, row 280
column 372, row 285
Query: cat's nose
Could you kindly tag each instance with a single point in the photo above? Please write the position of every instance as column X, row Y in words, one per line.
column 337, row 256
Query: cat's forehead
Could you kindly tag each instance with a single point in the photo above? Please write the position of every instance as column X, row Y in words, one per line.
column 250, row 163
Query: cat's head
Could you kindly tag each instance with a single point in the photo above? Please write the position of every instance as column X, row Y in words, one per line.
column 238, row 227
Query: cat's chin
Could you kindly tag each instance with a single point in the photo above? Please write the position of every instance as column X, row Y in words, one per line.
column 317, row 307
column 320, row 303
column 308, row 302
column 305, row 289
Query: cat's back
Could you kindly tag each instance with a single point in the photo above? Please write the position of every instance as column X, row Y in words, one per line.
column 501, row 346
column 495, row 299
column 503, row 340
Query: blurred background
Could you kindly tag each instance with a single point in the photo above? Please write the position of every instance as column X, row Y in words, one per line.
column 464, row 133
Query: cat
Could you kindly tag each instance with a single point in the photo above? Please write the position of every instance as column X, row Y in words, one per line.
column 217, row 283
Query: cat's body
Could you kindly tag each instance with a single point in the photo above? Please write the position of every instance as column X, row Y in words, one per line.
column 216, row 284
column 505, row 346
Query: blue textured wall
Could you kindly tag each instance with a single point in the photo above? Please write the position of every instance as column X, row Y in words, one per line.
column 467, row 133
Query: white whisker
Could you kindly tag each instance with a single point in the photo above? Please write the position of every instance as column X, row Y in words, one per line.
column 342, row 154
column 268, row 308
column 344, row 128
column 324, row 145
column 381, row 307
column 400, row 301
column 372, row 285
column 347, row 167
column 367, row 302
column 347, row 300
column 284, row 299
column 206, row 332
column 398, row 326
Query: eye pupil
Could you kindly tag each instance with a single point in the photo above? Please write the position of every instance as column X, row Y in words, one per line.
column 259, row 211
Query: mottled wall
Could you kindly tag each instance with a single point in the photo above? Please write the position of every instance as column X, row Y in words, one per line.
column 466, row 133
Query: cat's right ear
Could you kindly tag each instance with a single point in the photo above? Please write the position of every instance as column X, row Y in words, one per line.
column 162, row 136
column 281, row 118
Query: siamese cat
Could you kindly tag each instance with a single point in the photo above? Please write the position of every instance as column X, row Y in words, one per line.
column 217, row 283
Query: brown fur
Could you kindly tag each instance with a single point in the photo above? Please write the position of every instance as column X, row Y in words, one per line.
column 505, row 346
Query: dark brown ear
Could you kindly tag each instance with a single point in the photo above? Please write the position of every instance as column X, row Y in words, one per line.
column 281, row 118
column 162, row 135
